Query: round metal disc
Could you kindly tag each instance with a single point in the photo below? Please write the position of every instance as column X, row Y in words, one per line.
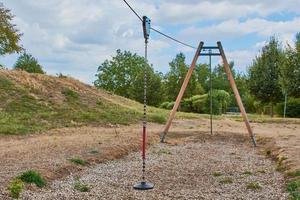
column 143, row 186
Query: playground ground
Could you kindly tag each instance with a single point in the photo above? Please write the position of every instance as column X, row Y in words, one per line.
column 225, row 163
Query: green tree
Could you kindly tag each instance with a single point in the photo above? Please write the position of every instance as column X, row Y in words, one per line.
column 124, row 75
column 264, row 74
column 290, row 71
column 174, row 78
column 28, row 63
column 9, row 35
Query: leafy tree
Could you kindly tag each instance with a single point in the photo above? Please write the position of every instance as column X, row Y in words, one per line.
column 124, row 75
column 264, row 74
column 9, row 35
column 174, row 78
column 28, row 63
column 290, row 71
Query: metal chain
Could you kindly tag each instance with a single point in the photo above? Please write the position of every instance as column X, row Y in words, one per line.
column 145, row 104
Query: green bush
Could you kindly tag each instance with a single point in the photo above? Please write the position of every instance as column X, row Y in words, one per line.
column 78, row 161
column 220, row 101
column 292, row 108
column 164, row 105
column 15, row 187
column 28, row 63
column 32, row 177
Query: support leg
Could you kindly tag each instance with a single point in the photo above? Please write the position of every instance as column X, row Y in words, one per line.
column 236, row 93
column 181, row 92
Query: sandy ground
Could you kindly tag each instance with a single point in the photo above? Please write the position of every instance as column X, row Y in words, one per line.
column 49, row 152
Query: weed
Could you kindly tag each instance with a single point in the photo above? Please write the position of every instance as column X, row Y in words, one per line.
column 216, row 174
column 247, row 173
column 294, row 173
column 15, row 187
column 70, row 94
column 227, row 181
column 81, row 187
column 32, row 176
column 253, row 186
column 268, row 152
column 293, row 188
column 262, row 171
column 78, row 161
column 163, row 151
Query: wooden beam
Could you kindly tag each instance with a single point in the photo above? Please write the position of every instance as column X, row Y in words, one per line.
column 236, row 93
column 181, row 92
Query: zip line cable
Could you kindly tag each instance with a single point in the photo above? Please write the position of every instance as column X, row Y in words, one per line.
column 157, row 31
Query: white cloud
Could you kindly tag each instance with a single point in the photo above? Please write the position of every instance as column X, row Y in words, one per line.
column 74, row 37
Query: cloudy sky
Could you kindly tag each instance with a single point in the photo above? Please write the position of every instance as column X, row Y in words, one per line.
column 75, row 36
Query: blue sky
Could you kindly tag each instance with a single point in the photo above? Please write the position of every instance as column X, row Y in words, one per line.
column 75, row 37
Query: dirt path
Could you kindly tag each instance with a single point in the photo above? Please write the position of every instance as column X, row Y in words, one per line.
column 198, row 169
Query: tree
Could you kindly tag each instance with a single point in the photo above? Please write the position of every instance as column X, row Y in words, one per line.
column 9, row 35
column 124, row 75
column 264, row 74
column 290, row 71
column 174, row 79
column 28, row 63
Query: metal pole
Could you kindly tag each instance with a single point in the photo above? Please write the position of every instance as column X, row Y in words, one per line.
column 285, row 100
column 210, row 91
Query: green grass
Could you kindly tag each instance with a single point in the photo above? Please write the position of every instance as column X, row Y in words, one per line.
column 293, row 187
column 15, row 188
column 81, row 187
column 25, row 110
column 247, row 173
column 294, row 173
column 32, row 176
column 226, row 181
column 253, row 186
column 216, row 174
column 78, row 161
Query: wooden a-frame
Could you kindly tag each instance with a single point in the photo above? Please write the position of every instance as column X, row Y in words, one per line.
column 232, row 84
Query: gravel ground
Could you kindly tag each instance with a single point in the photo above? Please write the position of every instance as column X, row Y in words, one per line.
column 183, row 171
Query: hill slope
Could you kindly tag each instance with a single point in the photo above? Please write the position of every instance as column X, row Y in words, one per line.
column 36, row 102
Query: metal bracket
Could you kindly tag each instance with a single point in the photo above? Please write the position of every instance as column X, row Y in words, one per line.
column 146, row 27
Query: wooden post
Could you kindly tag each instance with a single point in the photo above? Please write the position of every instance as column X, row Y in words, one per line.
column 181, row 92
column 236, row 92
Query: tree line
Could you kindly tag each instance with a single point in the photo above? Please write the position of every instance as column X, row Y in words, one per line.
column 274, row 74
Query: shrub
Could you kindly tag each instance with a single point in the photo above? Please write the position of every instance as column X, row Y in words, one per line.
column 253, row 186
column 32, row 177
column 292, row 108
column 81, row 187
column 164, row 105
column 77, row 161
column 70, row 94
column 294, row 189
column 15, row 187
column 28, row 63
column 220, row 101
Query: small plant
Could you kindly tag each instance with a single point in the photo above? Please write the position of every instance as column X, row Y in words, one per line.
column 163, row 151
column 216, row 174
column 293, row 188
column 247, row 173
column 294, row 173
column 78, row 161
column 70, row 94
column 32, row 176
column 268, row 152
column 226, row 181
column 253, row 186
column 262, row 171
column 81, row 187
column 15, row 187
